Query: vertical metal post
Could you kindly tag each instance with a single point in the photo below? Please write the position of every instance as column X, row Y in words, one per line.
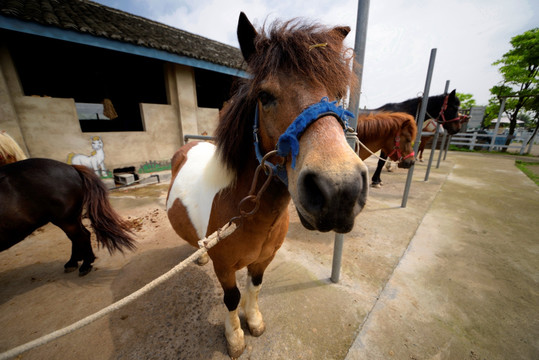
column 435, row 140
column 353, row 106
column 447, row 145
column 432, row 150
column 442, row 145
column 493, row 140
column 442, row 148
column 421, row 117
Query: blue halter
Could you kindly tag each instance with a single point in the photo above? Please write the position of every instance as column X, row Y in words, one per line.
column 288, row 142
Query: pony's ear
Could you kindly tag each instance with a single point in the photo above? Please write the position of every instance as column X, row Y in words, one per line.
column 246, row 36
column 340, row 31
column 453, row 94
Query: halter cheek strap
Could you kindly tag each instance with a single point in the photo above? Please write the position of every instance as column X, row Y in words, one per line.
column 396, row 149
column 288, row 142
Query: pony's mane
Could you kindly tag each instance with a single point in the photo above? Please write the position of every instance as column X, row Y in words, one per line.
column 281, row 48
column 10, row 151
column 410, row 106
column 380, row 125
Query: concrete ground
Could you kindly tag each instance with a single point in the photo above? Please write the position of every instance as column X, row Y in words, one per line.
column 452, row 276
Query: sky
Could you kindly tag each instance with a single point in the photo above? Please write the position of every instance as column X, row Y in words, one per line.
column 468, row 35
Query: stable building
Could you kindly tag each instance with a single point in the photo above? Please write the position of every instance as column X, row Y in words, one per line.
column 81, row 79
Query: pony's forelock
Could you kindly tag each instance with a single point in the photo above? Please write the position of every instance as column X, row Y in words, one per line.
column 281, row 47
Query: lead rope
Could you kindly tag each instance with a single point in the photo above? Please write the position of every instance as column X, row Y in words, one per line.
column 351, row 133
column 204, row 244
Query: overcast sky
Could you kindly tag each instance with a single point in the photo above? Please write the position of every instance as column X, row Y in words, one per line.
column 468, row 35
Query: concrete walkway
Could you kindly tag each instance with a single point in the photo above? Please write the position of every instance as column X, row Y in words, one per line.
column 454, row 275
column 467, row 286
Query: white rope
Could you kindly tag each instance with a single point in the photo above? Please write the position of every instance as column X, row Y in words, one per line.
column 207, row 244
column 369, row 150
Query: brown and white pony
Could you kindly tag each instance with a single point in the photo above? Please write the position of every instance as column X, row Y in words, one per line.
column 392, row 132
column 293, row 66
column 10, row 151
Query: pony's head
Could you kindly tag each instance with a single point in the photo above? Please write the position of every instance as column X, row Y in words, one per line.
column 10, row 151
column 293, row 67
column 449, row 116
column 403, row 144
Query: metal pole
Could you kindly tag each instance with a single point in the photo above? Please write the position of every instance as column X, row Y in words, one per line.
column 444, row 138
column 432, row 151
column 447, row 145
column 353, row 106
column 493, row 140
column 435, row 140
column 442, row 148
column 421, row 117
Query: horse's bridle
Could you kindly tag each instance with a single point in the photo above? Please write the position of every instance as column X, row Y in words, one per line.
column 460, row 118
column 288, row 142
column 396, row 149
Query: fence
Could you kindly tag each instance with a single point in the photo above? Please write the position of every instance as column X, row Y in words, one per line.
column 483, row 141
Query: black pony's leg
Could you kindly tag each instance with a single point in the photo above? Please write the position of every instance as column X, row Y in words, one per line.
column 81, row 249
column 376, row 180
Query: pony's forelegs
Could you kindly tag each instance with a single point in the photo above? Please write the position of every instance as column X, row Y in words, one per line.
column 376, row 180
column 250, row 303
column 234, row 334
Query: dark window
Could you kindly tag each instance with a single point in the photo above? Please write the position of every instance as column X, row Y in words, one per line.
column 213, row 88
column 107, row 86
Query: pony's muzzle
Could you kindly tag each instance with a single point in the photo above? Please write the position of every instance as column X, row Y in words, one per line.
column 406, row 163
column 331, row 201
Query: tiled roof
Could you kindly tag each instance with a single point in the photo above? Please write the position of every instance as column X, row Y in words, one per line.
column 102, row 21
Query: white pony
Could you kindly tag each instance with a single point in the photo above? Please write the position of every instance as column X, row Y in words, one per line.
column 95, row 161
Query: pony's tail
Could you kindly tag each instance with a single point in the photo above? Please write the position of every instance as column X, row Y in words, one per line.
column 110, row 229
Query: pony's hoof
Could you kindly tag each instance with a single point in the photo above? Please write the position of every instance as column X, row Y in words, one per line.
column 376, row 185
column 68, row 269
column 85, row 271
column 235, row 351
column 71, row 266
column 203, row 259
column 257, row 330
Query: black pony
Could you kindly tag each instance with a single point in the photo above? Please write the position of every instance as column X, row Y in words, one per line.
column 34, row 192
column 443, row 108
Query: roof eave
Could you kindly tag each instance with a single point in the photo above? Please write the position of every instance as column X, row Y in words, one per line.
column 32, row 28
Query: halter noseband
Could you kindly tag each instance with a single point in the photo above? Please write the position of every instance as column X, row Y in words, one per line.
column 288, row 142
column 396, row 149
column 460, row 118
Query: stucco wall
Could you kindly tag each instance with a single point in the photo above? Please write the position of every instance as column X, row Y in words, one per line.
column 49, row 127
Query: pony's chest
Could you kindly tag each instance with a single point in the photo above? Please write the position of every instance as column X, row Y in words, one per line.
column 200, row 178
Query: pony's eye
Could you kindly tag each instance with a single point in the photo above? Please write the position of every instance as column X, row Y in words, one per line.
column 266, row 98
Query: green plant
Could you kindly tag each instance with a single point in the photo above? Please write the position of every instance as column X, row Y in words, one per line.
column 527, row 168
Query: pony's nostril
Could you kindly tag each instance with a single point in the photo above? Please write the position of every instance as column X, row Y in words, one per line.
column 314, row 193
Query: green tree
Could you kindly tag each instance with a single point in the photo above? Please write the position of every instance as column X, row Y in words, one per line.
column 519, row 68
column 466, row 101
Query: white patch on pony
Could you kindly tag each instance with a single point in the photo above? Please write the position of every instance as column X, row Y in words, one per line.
column 198, row 181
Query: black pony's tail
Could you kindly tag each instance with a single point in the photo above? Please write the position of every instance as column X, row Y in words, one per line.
column 110, row 229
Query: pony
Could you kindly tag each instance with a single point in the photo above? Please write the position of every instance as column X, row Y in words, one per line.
column 293, row 65
column 10, row 151
column 95, row 161
column 428, row 126
column 392, row 132
column 37, row 191
column 444, row 109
